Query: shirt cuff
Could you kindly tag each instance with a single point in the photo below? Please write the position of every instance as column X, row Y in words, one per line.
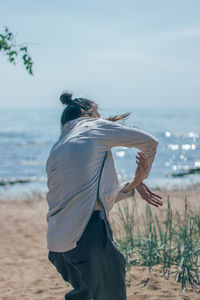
column 124, row 195
column 132, row 192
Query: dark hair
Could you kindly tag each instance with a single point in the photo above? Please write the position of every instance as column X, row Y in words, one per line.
column 82, row 107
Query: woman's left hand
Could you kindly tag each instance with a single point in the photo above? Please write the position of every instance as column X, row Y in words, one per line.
column 148, row 195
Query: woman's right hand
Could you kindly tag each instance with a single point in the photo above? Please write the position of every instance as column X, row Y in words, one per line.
column 142, row 162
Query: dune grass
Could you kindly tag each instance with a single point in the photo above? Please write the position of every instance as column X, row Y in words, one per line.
column 172, row 242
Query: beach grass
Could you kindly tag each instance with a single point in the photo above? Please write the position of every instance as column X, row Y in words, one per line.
column 27, row 273
column 171, row 241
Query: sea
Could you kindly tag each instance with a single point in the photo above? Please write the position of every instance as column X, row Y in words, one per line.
column 28, row 134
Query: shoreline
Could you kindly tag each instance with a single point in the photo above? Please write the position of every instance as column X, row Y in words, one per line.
column 7, row 193
column 27, row 274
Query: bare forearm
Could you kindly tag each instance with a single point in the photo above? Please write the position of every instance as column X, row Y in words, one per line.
column 140, row 173
column 131, row 186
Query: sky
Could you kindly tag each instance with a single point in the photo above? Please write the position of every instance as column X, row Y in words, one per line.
column 130, row 53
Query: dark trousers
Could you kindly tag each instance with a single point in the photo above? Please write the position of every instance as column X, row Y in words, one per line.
column 95, row 268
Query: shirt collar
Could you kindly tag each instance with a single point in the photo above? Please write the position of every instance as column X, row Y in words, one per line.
column 70, row 124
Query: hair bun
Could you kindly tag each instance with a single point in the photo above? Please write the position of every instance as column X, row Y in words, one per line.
column 66, row 98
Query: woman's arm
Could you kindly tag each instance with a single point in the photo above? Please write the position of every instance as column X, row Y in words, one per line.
column 128, row 189
column 142, row 162
column 111, row 134
column 141, row 188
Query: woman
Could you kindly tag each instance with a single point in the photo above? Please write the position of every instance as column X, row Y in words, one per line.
column 83, row 187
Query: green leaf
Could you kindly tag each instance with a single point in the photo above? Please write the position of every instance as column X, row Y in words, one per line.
column 11, row 49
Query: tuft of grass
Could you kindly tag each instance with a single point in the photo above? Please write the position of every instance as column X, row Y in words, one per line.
column 173, row 243
column 188, row 248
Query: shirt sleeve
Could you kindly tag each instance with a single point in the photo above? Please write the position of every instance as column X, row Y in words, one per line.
column 122, row 195
column 111, row 134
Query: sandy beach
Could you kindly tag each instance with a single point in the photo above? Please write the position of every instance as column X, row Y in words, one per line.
column 27, row 274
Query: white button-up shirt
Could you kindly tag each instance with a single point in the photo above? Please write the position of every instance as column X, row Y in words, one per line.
column 73, row 169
